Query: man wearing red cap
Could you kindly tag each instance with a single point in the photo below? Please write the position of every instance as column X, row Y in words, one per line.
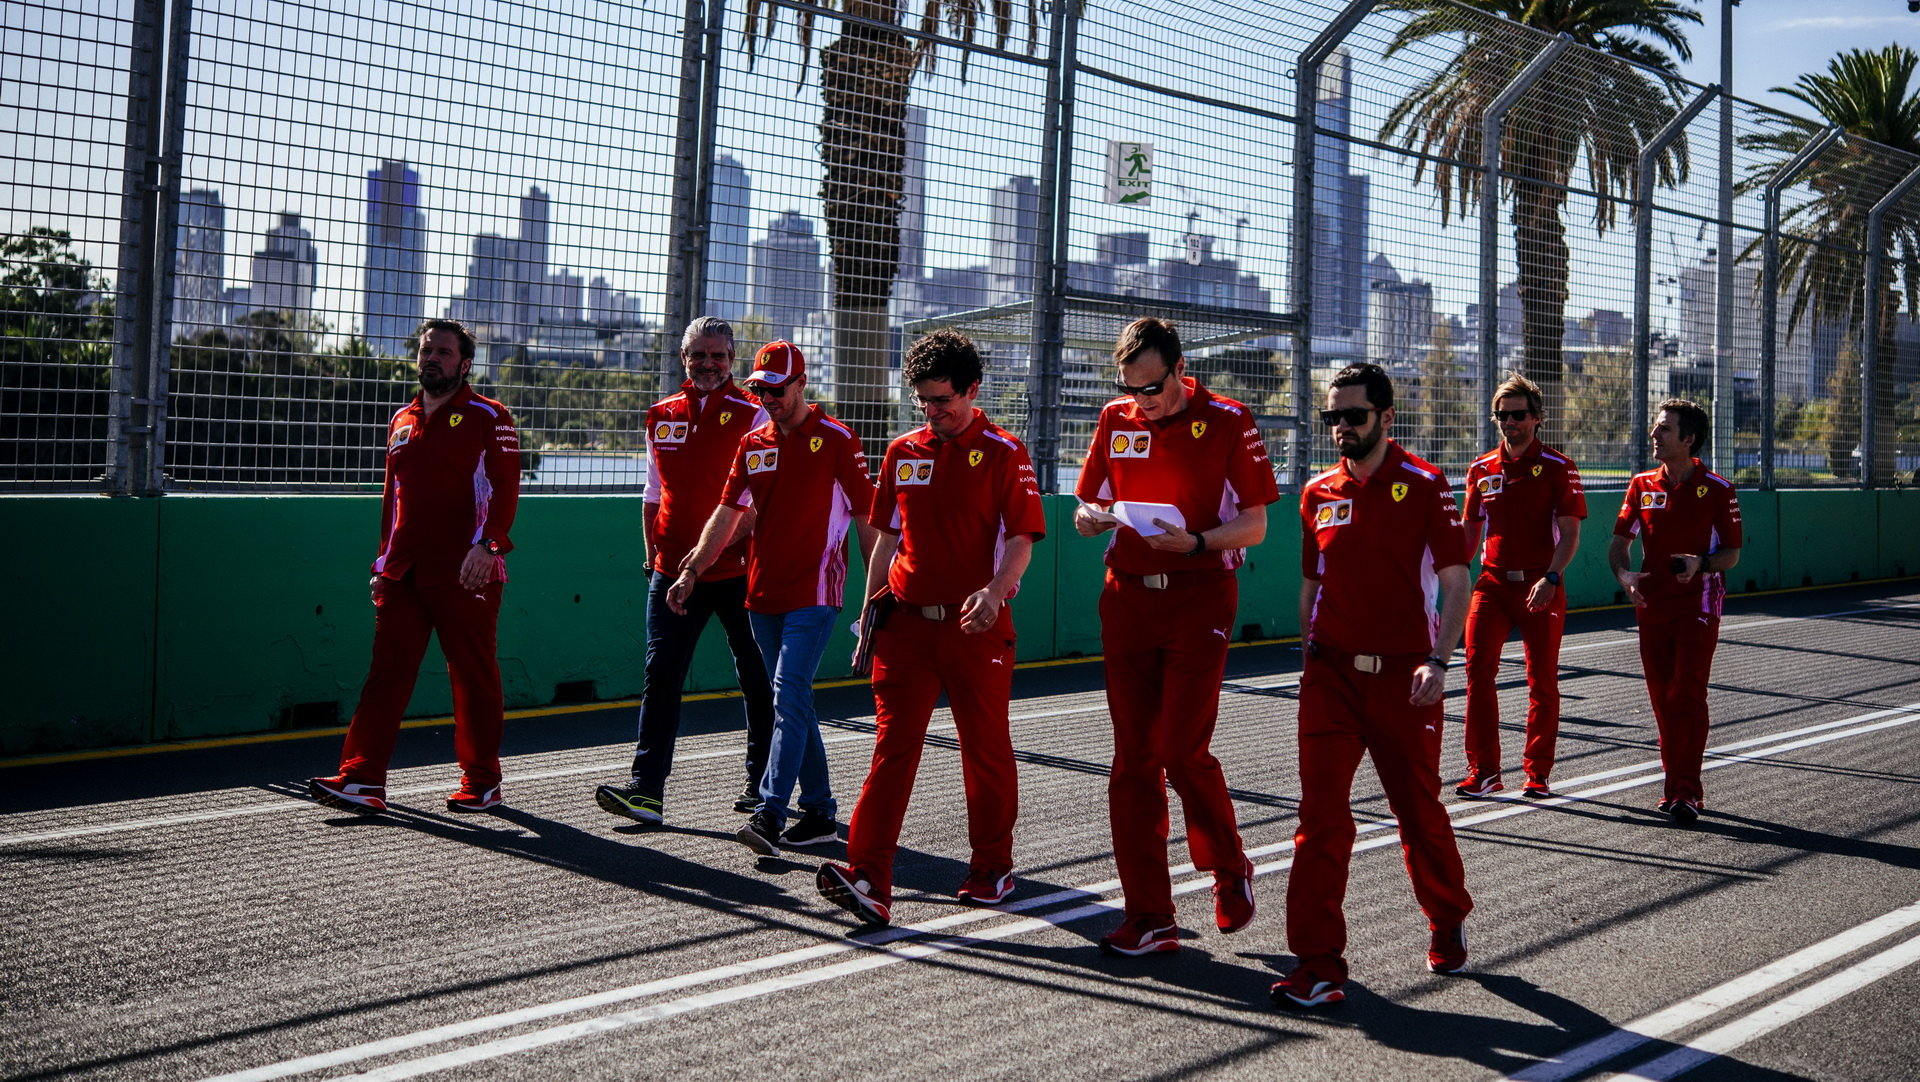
column 691, row 440
column 804, row 476
column 1529, row 499
column 1688, row 523
column 958, row 513
column 452, row 486
column 1166, row 615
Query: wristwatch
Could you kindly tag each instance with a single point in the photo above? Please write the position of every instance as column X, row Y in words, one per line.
column 1199, row 545
column 1552, row 577
column 492, row 546
column 1434, row 659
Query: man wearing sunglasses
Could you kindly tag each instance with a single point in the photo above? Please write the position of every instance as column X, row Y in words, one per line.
column 804, row 476
column 691, row 440
column 1378, row 533
column 1527, row 496
column 1688, row 522
column 958, row 514
column 1166, row 617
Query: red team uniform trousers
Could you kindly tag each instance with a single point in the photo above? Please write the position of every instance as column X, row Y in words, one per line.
column 1497, row 607
column 466, row 621
column 1166, row 652
column 1677, row 654
column 914, row 659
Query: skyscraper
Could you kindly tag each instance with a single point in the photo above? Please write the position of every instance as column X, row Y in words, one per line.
column 200, row 263
column 913, row 198
column 396, row 271
column 1013, row 238
column 728, row 251
column 486, row 305
column 788, row 282
column 530, row 292
column 1340, row 242
column 283, row 272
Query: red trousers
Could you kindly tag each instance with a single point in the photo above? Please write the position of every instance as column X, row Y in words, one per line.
column 403, row 619
column 1166, row 651
column 1497, row 607
column 1344, row 713
column 1677, row 654
column 914, row 659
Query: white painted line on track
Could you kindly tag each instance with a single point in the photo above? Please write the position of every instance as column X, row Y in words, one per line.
column 1487, row 811
column 1719, row 1042
column 1670, row 1020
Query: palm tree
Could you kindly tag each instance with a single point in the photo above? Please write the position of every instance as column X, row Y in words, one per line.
column 1589, row 106
column 1872, row 96
column 865, row 77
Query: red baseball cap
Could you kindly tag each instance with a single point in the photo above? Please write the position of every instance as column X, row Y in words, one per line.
column 777, row 362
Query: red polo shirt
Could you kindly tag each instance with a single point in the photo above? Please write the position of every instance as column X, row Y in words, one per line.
column 452, row 479
column 808, row 485
column 955, row 503
column 1376, row 548
column 1207, row 460
column 1698, row 517
column 691, row 442
column 1521, row 499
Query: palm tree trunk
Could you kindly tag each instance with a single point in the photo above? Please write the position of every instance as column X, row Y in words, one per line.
column 1540, row 248
column 865, row 77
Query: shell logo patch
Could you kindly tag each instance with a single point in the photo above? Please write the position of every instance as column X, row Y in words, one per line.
column 914, row 472
column 1334, row 513
column 1490, row 485
column 1399, row 491
column 1132, row 444
column 1537, row 467
column 815, row 444
column 763, row 461
column 904, row 473
column 1700, row 493
column 670, row 432
column 400, row 435
column 1650, row 501
column 454, row 421
column 1199, row 429
column 725, row 417
column 974, row 458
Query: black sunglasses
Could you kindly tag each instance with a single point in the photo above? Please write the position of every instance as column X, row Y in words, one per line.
column 1354, row 416
column 1516, row 416
column 766, row 390
column 1148, row 389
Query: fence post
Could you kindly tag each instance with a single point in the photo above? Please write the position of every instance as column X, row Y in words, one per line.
column 1643, row 266
column 693, row 167
column 166, row 245
column 128, row 424
column 1770, row 285
column 1870, row 353
column 1050, row 269
column 1306, row 156
column 1493, row 126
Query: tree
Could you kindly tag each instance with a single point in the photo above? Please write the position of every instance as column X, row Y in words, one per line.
column 1872, row 96
column 1591, row 106
column 865, row 77
column 56, row 359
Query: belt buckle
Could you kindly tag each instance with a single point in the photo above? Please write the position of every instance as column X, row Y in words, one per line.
column 1515, row 576
column 935, row 613
column 1154, row 582
column 1367, row 663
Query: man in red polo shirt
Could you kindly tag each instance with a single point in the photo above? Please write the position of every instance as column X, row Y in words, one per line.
column 1166, row 617
column 1688, row 523
column 1378, row 539
column 1528, row 498
column 452, row 486
column 691, row 440
column 958, row 513
column 805, row 477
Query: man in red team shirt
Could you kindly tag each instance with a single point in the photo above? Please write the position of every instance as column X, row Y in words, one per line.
column 1688, row 523
column 453, row 482
column 1528, row 498
column 1378, row 538
column 958, row 513
column 805, row 477
column 691, row 440
column 1166, row 616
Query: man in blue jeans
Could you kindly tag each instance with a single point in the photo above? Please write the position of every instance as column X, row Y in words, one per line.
column 691, row 439
column 805, row 478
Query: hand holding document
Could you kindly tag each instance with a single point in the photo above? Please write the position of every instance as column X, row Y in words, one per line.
column 1139, row 516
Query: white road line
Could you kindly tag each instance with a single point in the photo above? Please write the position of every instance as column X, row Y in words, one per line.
column 1662, row 1023
column 1761, row 1022
column 1487, row 812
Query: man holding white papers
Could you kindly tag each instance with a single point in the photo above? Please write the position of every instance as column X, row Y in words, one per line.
column 1166, row 616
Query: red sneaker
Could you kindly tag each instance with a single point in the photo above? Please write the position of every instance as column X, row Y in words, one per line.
column 465, row 799
column 1304, row 989
column 1142, row 933
column 1478, row 785
column 848, row 889
column 1447, row 953
column 338, row 792
column 1535, row 789
column 1233, row 898
column 985, row 888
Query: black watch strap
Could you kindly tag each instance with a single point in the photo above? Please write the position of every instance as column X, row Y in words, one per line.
column 1552, row 577
column 1199, row 545
column 490, row 544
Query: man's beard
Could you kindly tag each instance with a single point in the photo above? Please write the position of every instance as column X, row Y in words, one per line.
column 441, row 384
column 1361, row 446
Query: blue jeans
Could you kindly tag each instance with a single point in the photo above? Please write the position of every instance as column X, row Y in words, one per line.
column 791, row 644
column 671, row 638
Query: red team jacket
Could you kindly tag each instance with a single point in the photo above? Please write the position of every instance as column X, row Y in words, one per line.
column 689, row 453
column 452, row 479
column 1521, row 501
column 799, row 558
column 1699, row 517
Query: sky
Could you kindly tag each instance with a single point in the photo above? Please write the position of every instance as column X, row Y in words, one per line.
column 1775, row 41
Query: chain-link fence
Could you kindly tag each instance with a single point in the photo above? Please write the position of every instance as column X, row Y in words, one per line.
column 225, row 219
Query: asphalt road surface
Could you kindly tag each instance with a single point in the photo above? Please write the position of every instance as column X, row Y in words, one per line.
column 189, row 915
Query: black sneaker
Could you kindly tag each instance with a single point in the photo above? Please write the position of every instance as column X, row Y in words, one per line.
column 627, row 800
column 748, row 801
column 761, row 834
column 1684, row 811
column 812, row 828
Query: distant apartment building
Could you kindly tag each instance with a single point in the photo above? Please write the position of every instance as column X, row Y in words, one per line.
column 788, row 280
column 396, row 254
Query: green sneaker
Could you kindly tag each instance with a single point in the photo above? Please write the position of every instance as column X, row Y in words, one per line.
column 627, row 800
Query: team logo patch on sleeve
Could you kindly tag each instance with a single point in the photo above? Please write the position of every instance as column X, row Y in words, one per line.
column 1131, row 444
column 1335, row 513
column 916, row 472
column 400, row 435
column 1199, row 429
column 815, row 444
column 670, row 432
column 762, row 461
column 454, row 421
column 1399, row 491
column 1652, row 500
column 1490, row 485
column 974, row 458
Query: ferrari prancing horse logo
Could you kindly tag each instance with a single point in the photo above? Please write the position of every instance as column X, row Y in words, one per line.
column 974, row 458
column 815, row 444
column 725, row 417
column 1399, row 491
column 454, row 422
column 1199, row 429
